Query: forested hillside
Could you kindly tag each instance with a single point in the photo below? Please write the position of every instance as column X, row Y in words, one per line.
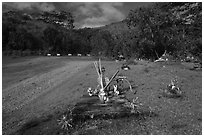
column 146, row 32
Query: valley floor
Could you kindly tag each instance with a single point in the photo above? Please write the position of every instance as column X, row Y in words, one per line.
column 38, row 90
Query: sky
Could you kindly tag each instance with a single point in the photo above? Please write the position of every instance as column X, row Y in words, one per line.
column 86, row 14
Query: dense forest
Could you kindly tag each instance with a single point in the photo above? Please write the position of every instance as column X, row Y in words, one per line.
column 145, row 33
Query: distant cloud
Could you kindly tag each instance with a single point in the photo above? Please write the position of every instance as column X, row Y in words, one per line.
column 99, row 14
column 42, row 6
column 86, row 14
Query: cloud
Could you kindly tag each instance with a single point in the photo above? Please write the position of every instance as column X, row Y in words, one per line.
column 86, row 14
column 99, row 14
column 45, row 7
column 95, row 14
column 42, row 6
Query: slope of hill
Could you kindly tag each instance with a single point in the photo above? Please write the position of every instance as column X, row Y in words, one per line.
column 116, row 27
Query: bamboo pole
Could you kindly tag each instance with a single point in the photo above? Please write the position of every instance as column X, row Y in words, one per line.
column 111, row 79
column 98, row 70
column 96, row 67
column 101, row 78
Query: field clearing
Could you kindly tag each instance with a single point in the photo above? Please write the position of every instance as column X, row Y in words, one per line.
column 38, row 90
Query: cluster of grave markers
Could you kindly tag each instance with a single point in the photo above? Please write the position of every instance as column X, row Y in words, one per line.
column 79, row 55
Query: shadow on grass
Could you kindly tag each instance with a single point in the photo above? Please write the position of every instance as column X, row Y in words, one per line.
column 89, row 108
column 92, row 109
column 33, row 123
column 173, row 96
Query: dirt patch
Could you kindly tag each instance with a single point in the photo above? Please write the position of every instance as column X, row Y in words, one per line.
column 89, row 116
column 21, row 94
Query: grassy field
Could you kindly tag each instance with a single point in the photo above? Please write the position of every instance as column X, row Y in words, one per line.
column 38, row 90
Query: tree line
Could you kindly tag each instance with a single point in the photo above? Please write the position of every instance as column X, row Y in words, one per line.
column 172, row 27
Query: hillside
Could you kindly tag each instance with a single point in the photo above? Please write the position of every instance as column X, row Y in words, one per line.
column 116, row 28
column 145, row 33
column 26, row 31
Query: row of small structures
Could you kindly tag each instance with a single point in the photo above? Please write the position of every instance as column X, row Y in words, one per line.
column 67, row 54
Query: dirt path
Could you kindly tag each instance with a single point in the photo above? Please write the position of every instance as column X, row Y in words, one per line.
column 37, row 94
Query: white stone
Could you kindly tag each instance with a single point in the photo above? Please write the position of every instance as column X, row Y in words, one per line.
column 48, row 54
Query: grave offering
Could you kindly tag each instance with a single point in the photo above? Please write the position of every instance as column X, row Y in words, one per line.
column 108, row 88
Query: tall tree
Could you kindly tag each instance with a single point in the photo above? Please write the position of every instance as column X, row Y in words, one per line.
column 165, row 25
